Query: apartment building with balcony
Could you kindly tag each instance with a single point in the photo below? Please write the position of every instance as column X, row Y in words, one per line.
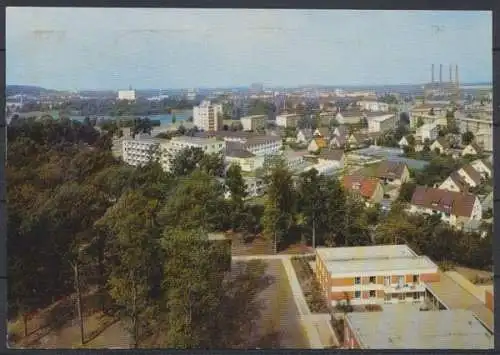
column 481, row 126
column 428, row 131
column 237, row 154
column 373, row 274
column 172, row 147
column 140, row 150
column 208, row 116
column 253, row 123
column 287, row 120
column 382, row 123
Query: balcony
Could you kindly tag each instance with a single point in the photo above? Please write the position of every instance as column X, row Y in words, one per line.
column 403, row 288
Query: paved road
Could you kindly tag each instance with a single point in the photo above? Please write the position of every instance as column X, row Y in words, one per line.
column 310, row 322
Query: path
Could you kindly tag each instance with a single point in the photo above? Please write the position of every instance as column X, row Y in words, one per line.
column 313, row 324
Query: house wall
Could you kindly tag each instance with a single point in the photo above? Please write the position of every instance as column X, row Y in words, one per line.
column 378, row 194
column 449, row 185
column 469, row 150
column 479, row 166
column 435, row 145
column 467, row 178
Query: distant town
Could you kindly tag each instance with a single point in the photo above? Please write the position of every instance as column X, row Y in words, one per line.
column 314, row 217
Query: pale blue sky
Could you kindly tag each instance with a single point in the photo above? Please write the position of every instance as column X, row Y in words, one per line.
column 72, row 48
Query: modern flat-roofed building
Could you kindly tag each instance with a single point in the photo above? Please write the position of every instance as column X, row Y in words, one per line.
column 128, row 95
column 382, row 123
column 253, row 123
column 400, row 328
column 139, row 150
column 287, row 120
column 172, row 147
column 373, row 274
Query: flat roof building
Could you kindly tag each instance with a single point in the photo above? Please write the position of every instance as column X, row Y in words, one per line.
column 373, row 274
column 397, row 328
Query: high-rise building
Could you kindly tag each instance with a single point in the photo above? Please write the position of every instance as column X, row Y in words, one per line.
column 208, row 116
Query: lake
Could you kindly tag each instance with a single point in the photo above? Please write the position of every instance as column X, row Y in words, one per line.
column 165, row 119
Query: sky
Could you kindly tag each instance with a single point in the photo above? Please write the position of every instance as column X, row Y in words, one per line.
column 112, row 49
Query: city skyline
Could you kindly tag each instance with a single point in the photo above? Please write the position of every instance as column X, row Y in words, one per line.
column 182, row 48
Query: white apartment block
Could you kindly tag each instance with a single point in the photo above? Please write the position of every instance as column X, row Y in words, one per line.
column 208, row 116
column 481, row 127
column 373, row 274
column 140, row 150
column 172, row 147
column 287, row 120
column 382, row 123
column 427, row 131
column 373, row 106
column 128, row 95
column 264, row 145
column 253, row 123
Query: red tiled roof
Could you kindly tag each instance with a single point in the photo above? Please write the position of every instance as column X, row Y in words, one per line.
column 365, row 186
column 456, row 203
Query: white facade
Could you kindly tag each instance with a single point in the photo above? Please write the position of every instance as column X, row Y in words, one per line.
column 263, row 145
column 449, row 185
column 208, row 116
column 382, row 123
column 254, row 187
column 247, row 164
column 482, row 168
column 287, row 120
column 170, row 148
column 373, row 106
column 427, row 131
column 253, row 123
column 139, row 151
column 128, row 95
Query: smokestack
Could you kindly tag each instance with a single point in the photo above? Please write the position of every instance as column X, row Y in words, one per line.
column 451, row 74
column 456, row 75
column 440, row 73
column 432, row 73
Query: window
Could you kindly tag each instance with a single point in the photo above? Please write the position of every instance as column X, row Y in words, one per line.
column 401, row 297
column 416, row 296
column 357, row 294
column 357, row 280
column 373, row 294
column 387, row 297
column 415, row 278
column 373, row 279
column 387, row 280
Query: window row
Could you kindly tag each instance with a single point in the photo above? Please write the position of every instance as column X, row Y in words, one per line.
column 387, row 280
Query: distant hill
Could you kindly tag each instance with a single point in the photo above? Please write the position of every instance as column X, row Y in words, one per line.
column 11, row 90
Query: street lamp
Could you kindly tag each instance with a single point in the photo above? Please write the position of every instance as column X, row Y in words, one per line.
column 76, row 272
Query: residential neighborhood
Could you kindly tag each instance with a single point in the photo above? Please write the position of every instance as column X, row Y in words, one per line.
column 214, row 190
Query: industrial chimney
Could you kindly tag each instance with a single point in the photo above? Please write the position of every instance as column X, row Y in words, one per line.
column 451, row 74
column 440, row 73
column 456, row 75
column 432, row 73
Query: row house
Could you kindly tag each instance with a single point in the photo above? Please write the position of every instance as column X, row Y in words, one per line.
column 454, row 208
column 373, row 274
